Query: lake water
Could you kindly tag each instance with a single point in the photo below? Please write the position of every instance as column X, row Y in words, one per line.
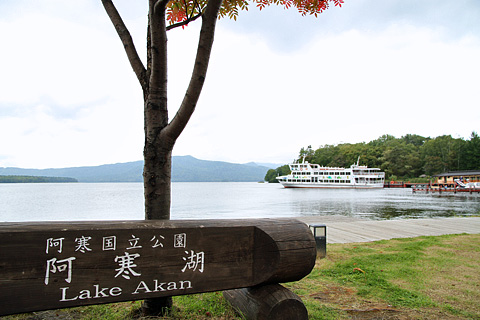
column 224, row 200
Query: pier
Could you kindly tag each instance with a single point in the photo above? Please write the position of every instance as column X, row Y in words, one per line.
column 427, row 188
column 342, row 229
column 398, row 184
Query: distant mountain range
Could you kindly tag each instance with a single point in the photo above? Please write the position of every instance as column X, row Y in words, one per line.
column 184, row 169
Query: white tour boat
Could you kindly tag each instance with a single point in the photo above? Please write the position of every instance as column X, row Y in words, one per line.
column 308, row 175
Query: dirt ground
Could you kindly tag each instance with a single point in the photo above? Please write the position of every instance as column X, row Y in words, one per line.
column 346, row 300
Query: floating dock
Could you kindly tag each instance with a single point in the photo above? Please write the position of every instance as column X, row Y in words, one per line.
column 426, row 188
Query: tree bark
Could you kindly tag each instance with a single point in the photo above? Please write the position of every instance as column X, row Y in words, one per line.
column 160, row 135
column 157, row 152
column 127, row 42
column 158, row 147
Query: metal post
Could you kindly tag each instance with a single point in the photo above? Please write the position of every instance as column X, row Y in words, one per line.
column 320, row 234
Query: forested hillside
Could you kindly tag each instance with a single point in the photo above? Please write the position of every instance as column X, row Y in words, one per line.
column 400, row 158
column 35, row 179
column 184, row 169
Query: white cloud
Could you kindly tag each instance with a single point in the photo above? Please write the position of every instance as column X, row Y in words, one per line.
column 349, row 87
column 68, row 96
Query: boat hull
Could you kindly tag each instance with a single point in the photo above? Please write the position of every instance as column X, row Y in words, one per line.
column 330, row 186
column 308, row 175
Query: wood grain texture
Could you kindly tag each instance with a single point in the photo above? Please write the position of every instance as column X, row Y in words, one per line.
column 267, row 302
column 49, row 265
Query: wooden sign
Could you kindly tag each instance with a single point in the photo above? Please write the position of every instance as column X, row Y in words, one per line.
column 52, row 265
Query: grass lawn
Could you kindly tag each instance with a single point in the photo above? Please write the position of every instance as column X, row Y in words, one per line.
column 417, row 278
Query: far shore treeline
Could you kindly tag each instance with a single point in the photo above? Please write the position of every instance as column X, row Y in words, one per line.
column 406, row 158
column 32, row 179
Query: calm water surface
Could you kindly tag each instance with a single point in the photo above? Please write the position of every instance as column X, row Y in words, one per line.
column 210, row 200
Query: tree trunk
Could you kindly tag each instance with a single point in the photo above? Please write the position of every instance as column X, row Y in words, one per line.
column 157, row 152
column 157, row 307
column 158, row 146
column 160, row 135
column 157, row 182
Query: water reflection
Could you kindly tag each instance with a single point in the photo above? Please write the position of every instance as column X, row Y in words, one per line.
column 381, row 204
column 209, row 200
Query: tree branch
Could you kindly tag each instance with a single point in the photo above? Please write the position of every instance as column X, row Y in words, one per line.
column 127, row 41
column 155, row 107
column 158, row 47
column 207, row 32
column 184, row 23
column 160, row 4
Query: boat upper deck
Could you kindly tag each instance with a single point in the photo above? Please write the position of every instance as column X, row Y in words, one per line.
column 306, row 168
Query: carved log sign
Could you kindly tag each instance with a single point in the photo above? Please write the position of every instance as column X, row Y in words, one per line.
column 63, row 264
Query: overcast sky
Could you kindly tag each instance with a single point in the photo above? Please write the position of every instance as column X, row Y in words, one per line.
column 277, row 81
